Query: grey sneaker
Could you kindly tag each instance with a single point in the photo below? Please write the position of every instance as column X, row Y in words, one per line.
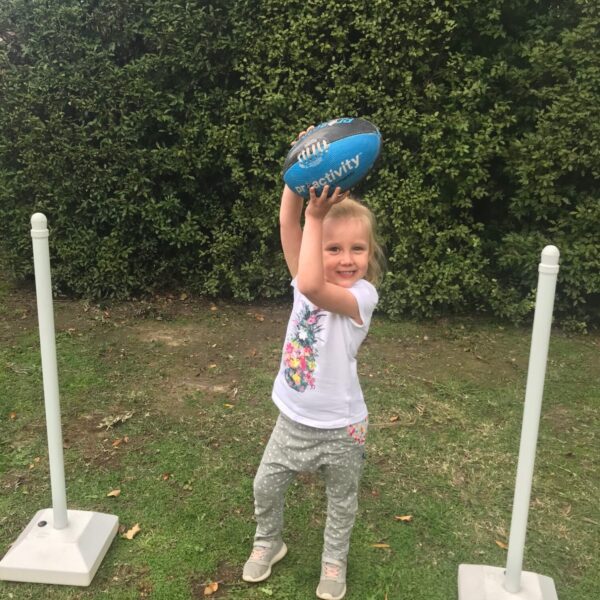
column 333, row 580
column 264, row 555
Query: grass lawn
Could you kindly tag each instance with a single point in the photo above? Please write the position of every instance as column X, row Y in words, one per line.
column 168, row 401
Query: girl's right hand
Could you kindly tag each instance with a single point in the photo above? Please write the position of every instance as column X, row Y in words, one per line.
column 319, row 206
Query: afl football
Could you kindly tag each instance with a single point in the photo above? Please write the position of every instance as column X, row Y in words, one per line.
column 336, row 153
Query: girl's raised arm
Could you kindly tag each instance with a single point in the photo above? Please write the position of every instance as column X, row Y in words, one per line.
column 290, row 229
column 311, row 275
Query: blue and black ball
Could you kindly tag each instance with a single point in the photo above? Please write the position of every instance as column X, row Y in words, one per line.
column 338, row 153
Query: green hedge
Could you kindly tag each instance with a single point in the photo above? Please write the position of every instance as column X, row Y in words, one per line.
column 152, row 134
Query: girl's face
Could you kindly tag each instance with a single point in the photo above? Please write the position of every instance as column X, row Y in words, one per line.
column 345, row 251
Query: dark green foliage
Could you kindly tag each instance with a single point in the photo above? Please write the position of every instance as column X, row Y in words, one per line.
column 152, row 134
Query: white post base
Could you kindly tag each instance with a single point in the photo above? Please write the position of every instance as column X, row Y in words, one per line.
column 68, row 556
column 480, row 582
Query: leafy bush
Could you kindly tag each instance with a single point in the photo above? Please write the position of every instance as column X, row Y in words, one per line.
column 152, row 134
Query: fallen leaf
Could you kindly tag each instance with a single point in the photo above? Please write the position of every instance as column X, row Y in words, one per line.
column 111, row 421
column 380, row 545
column 394, row 419
column 113, row 494
column 219, row 389
column 404, row 518
column 133, row 531
column 211, row 588
column 117, row 443
column 502, row 545
column 183, row 297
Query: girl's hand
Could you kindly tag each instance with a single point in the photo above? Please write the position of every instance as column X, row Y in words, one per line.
column 319, row 206
column 303, row 133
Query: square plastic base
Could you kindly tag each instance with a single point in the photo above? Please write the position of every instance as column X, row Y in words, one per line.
column 69, row 556
column 480, row 582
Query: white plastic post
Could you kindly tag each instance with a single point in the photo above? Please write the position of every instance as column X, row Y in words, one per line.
column 43, row 288
column 58, row 546
column 540, row 339
column 484, row 582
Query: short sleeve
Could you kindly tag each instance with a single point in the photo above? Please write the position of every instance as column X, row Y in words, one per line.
column 367, row 297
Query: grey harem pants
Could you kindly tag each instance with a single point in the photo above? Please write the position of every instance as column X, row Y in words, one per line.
column 338, row 454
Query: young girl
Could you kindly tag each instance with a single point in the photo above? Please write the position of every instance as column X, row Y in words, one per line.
column 323, row 417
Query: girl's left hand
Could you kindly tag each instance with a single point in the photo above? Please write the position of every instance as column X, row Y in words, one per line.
column 319, row 206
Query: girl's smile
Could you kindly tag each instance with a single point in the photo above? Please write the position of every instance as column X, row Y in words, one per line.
column 345, row 250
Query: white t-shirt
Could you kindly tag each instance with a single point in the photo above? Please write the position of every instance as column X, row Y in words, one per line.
column 317, row 383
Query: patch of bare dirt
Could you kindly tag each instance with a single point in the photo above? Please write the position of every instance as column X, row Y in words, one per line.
column 94, row 442
column 211, row 352
column 127, row 575
column 435, row 353
column 227, row 579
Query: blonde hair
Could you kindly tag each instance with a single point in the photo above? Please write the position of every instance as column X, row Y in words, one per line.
column 352, row 208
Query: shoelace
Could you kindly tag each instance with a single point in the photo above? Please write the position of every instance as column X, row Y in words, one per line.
column 258, row 553
column 331, row 571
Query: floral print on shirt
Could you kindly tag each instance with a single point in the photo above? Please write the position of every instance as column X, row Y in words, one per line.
column 299, row 353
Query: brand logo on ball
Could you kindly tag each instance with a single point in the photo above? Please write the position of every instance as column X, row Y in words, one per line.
column 344, row 121
column 333, row 176
column 312, row 155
